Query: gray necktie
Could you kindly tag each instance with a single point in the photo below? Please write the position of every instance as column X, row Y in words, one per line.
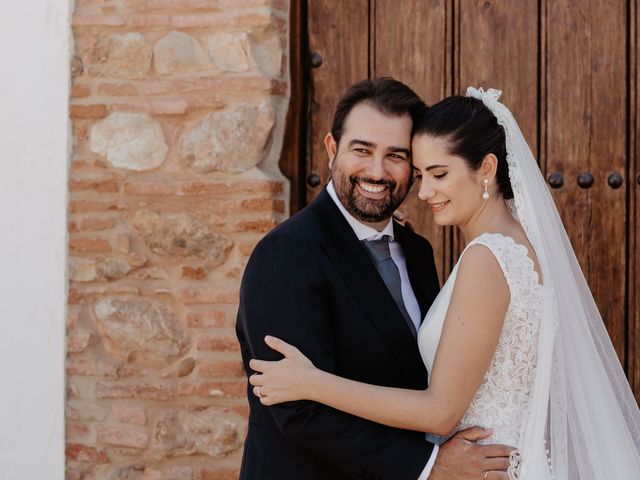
column 379, row 252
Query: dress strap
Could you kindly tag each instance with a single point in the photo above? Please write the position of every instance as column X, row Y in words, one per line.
column 513, row 258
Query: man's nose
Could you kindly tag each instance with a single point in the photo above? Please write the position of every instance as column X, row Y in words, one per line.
column 376, row 168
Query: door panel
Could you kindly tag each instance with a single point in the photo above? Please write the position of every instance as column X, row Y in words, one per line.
column 339, row 36
column 413, row 48
column 585, row 125
column 497, row 47
column 633, row 278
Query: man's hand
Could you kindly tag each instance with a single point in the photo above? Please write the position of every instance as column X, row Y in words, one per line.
column 461, row 458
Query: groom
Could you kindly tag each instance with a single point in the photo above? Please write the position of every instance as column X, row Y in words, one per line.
column 348, row 286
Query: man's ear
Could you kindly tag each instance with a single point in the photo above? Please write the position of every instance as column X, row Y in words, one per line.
column 331, row 147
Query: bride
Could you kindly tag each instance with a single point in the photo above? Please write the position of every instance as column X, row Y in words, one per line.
column 514, row 341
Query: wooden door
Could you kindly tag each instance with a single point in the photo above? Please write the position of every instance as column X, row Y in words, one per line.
column 585, row 134
column 568, row 72
column 633, row 182
column 420, row 32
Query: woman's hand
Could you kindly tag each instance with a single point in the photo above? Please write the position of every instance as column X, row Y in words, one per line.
column 285, row 380
column 402, row 219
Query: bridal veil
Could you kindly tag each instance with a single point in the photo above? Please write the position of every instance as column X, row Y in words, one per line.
column 585, row 422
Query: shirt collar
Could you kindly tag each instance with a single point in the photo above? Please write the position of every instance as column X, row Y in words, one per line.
column 362, row 231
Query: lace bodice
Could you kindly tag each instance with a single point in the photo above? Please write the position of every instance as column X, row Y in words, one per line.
column 502, row 402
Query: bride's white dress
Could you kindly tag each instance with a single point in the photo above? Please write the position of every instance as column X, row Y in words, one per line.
column 555, row 388
column 503, row 401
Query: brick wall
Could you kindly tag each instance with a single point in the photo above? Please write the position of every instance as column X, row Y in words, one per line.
column 177, row 109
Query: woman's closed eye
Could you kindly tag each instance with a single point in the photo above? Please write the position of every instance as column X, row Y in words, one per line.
column 417, row 175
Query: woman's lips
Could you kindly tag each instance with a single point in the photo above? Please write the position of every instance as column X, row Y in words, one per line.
column 438, row 207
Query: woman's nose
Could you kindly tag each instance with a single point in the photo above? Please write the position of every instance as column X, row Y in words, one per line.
column 426, row 191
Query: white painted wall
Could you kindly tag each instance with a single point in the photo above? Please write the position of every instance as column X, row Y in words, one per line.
column 34, row 152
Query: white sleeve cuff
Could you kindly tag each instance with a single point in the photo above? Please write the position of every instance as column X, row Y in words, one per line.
column 432, row 460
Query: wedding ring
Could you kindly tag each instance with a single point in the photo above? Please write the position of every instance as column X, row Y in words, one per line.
column 258, row 394
column 486, row 474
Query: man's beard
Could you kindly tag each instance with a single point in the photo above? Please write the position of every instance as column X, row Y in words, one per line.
column 367, row 209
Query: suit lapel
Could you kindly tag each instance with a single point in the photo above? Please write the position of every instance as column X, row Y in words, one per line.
column 350, row 258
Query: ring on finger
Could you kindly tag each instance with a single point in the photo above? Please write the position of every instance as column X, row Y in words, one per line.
column 258, row 394
column 486, row 474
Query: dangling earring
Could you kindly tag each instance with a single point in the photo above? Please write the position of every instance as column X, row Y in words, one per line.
column 485, row 194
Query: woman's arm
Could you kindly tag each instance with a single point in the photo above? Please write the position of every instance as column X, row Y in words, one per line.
column 468, row 342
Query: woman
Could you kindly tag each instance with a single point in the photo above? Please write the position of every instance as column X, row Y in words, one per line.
column 514, row 341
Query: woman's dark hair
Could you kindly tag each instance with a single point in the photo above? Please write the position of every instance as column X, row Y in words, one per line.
column 471, row 131
column 388, row 95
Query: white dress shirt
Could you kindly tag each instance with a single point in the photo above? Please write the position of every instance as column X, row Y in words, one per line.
column 364, row 233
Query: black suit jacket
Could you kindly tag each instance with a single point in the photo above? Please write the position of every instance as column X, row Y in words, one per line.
column 311, row 283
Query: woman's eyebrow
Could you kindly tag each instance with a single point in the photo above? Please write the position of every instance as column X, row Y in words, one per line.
column 431, row 167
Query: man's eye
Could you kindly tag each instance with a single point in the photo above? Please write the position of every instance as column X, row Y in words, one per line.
column 396, row 156
column 361, row 150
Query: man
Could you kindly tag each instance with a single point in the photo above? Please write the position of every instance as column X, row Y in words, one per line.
column 349, row 287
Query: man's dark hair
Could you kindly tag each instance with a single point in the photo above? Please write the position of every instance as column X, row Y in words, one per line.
column 386, row 94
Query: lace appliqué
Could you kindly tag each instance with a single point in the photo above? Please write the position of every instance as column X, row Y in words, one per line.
column 503, row 400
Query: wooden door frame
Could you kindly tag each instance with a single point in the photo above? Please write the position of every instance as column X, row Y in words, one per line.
column 294, row 150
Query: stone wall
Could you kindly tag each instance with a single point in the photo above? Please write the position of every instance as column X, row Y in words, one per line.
column 177, row 109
